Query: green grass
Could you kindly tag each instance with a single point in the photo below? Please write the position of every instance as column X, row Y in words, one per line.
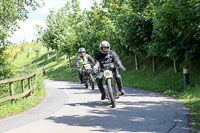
column 167, row 82
column 22, row 63
column 22, row 104
column 164, row 80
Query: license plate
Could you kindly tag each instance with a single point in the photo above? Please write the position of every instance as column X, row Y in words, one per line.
column 108, row 74
column 87, row 66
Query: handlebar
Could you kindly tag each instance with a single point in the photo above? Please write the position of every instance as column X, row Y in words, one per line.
column 109, row 66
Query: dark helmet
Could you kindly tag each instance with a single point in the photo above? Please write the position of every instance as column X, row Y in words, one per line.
column 104, row 47
column 81, row 51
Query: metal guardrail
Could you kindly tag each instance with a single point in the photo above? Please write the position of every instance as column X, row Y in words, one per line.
column 24, row 93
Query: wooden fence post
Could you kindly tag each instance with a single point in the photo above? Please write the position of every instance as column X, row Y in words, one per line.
column 11, row 91
column 22, row 83
column 13, row 96
column 29, row 85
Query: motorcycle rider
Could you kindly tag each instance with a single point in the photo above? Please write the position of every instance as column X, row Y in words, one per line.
column 104, row 56
column 81, row 59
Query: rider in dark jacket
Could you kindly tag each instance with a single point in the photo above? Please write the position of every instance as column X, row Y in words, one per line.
column 104, row 56
column 81, row 59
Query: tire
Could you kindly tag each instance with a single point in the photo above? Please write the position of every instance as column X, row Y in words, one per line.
column 86, row 84
column 110, row 93
column 92, row 82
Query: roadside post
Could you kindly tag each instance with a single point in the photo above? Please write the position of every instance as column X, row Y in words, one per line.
column 186, row 76
column 43, row 70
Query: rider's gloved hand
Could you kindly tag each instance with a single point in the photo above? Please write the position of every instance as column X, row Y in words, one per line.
column 94, row 71
column 79, row 68
column 122, row 67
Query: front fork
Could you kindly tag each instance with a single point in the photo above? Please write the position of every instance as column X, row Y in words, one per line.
column 114, row 88
column 92, row 78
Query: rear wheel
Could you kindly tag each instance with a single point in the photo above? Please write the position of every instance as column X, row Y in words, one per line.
column 86, row 84
column 110, row 93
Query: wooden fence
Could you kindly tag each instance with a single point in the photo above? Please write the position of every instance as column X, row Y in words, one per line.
column 24, row 93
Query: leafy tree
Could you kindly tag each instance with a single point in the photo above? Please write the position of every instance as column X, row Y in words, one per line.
column 11, row 12
column 5, row 68
column 175, row 29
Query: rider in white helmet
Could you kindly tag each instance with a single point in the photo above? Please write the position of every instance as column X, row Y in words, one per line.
column 80, row 59
column 104, row 56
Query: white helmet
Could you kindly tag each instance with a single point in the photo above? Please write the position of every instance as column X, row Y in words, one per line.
column 104, row 47
column 81, row 51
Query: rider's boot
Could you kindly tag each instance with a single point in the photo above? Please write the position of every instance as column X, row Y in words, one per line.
column 103, row 95
column 120, row 87
column 81, row 79
column 115, row 93
column 119, row 84
column 101, row 88
column 122, row 91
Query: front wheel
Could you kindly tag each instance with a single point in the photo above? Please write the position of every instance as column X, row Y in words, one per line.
column 92, row 81
column 110, row 93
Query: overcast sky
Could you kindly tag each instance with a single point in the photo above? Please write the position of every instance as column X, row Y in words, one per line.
column 28, row 31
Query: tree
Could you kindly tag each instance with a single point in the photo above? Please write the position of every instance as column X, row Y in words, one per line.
column 133, row 26
column 175, row 26
column 11, row 12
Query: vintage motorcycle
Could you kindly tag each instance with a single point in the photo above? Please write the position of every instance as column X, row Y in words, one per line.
column 87, row 75
column 111, row 93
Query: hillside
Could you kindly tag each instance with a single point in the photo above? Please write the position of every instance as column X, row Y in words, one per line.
column 164, row 80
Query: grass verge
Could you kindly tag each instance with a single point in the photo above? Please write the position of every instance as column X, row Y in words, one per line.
column 163, row 81
column 22, row 104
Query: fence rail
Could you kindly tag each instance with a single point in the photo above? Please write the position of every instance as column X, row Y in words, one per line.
column 24, row 93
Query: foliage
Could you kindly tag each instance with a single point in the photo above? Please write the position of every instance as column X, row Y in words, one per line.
column 5, row 68
column 175, row 25
column 11, row 12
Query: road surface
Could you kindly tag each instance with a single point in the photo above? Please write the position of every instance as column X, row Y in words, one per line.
column 70, row 108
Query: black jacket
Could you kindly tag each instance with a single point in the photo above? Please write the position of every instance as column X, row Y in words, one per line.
column 111, row 57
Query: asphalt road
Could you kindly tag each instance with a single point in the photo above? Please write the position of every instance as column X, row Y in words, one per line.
column 70, row 108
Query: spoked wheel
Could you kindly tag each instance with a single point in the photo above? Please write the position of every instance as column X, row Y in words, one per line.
column 87, row 84
column 111, row 97
column 91, row 82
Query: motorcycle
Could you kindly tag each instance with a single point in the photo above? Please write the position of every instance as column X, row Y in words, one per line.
column 111, row 93
column 87, row 76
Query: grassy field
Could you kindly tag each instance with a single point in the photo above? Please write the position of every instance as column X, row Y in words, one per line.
column 20, row 59
column 164, row 80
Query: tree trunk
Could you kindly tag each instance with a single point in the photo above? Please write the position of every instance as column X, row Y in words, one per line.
column 136, row 62
column 175, row 66
column 47, row 53
column 56, row 53
column 154, row 64
column 69, row 61
column 65, row 57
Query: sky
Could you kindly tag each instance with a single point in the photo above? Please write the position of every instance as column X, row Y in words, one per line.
column 27, row 31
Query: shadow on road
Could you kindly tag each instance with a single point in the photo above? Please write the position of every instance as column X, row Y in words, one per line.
column 129, row 116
